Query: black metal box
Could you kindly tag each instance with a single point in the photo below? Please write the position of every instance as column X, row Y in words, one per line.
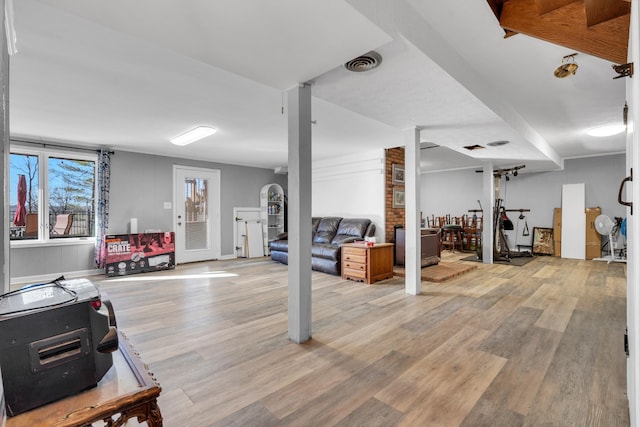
column 54, row 342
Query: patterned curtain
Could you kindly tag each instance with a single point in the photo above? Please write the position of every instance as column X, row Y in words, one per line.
column 102, row 204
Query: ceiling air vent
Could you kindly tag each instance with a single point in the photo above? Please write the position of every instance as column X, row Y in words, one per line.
column 497, row 143
column 366, row 62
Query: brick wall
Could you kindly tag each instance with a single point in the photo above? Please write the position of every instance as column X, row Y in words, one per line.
column 393, row 216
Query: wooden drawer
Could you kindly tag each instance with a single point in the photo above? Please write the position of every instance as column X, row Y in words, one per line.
column 351, row 273
column 361, row 259
column 354, row 251
column 351, row 265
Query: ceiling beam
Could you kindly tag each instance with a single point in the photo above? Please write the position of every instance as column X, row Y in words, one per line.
column 599, row 11
column 496, row 7
column 546, row 6
column 567, row 27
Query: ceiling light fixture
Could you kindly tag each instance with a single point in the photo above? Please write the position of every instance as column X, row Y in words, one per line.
column 606, row 130
column 567, row 68
column 193, row 135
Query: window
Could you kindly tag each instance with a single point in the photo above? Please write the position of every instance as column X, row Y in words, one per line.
column 51, row 195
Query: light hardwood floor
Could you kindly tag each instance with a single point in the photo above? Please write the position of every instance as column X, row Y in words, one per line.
column 538, row 345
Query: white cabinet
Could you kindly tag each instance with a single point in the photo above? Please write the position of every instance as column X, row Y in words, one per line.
column 272, row 213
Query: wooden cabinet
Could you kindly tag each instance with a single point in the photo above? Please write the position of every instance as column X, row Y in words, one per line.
column 367, row 263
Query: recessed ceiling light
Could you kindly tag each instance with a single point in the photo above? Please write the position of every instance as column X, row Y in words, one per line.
column 497, row 143
column 193, row 135
column 473, row 147
column 606, row 130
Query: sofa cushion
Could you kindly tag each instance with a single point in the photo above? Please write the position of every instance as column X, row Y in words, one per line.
column 325, row 251
column 279, row 245
column 282, row 257
column 324, row 265
column 350, row 228
column 326, row 230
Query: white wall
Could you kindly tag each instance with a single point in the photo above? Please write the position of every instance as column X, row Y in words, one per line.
column 453, row 192
column 345, row 186
column 456, row 192
column 351, row 187
column 140, row 184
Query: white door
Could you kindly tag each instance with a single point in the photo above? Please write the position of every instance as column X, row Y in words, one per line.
column 248, row 235
column 196, row 214
column 633, row 221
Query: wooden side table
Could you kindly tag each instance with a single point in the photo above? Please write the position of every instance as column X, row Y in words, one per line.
column 127, row 390
column 367, row 263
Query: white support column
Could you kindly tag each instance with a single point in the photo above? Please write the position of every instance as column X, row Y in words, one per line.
column 412, row 211
column 299, row 220
column 488, row 200
column 5, row 275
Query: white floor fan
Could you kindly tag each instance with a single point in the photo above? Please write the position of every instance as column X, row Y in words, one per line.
column 606, row 227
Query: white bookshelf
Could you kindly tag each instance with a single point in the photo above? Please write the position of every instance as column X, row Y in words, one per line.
column 272, row 213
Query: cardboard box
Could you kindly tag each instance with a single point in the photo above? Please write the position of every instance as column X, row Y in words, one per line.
column 557, row 231
column 592, row 236
column 139, row 253
column 593, row 251
column 593, row 239
column 557, row 247
column 557, row 219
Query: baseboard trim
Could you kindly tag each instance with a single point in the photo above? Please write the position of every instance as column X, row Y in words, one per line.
column 43, row 278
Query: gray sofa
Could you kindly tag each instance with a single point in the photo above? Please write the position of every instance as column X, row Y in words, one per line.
column 329, row 233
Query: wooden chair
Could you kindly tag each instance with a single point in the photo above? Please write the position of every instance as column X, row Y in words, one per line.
column 452, row 237
column 31, row 225
column 471, row 232
column 62, row 225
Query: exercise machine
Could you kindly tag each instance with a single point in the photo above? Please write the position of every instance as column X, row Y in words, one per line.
column 501, row 222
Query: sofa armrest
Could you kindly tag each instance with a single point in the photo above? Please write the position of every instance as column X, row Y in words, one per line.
column 348, row 239
column 371, row 230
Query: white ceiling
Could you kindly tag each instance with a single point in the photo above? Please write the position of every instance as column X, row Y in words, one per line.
column 132, row 75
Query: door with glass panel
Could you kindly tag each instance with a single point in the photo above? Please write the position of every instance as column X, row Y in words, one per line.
column 196, row 214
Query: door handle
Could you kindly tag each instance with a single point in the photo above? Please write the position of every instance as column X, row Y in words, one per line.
column 624, row 181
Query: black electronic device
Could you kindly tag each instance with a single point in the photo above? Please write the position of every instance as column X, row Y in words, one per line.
column 56, row 340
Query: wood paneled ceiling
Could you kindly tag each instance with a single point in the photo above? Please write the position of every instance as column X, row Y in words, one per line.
column 596, row 27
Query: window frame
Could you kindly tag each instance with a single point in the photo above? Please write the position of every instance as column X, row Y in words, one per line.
column 43, row 154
